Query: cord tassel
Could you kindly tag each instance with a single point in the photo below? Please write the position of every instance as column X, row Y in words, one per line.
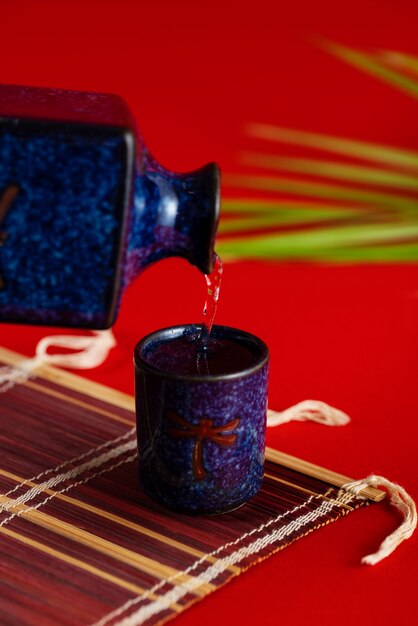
column 91, row 351
column 309, row 410
column 402, row 501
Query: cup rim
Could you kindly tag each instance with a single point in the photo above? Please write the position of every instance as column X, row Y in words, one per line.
column 173, row 332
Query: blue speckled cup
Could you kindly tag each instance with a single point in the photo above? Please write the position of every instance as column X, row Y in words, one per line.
column 201, row 438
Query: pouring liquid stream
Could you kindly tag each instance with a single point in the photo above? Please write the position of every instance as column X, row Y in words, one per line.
column 213, row 283
column 203, row 352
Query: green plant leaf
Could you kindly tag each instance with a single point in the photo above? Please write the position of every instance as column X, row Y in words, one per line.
column 406, row 252
column 251, row 205
column 368, row 63
column 243, row 215
column 321, row 190
column 289, row 209
column 330, row 169
column 400, row 60
column 305, row 243
column 403, row 253
column 269, row 220
column 365, row 151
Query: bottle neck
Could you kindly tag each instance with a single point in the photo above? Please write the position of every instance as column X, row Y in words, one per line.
column 172, row 215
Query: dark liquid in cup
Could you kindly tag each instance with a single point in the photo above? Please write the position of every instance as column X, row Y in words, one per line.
column 185, row 355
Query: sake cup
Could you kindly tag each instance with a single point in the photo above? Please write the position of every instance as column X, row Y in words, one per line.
column 201, row 417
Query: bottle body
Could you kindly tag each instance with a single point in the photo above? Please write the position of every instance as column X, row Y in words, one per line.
column 84, row 208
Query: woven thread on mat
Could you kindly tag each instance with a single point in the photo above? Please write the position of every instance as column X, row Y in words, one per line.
column 213, row 571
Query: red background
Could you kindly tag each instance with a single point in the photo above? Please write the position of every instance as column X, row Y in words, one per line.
column 194, row 73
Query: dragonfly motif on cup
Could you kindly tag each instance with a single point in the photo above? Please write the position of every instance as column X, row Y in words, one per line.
column 205, row 430
column 6, row 201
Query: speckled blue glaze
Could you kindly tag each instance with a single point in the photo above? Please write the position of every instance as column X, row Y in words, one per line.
column 93, row 208
column 59, row 258
column 233, row 473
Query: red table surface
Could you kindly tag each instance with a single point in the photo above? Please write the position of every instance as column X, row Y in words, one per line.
column 194, row 73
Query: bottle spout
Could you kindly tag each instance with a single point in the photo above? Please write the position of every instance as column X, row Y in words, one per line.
column 198, row 196
column 173, row 215
column 205, row 257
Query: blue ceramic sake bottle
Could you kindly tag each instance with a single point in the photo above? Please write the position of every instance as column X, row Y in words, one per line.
column 84, row 208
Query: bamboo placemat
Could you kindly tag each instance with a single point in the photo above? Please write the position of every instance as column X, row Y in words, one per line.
column 79, row 542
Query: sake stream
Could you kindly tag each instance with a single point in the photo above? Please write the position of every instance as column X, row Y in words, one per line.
column 203, row 352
